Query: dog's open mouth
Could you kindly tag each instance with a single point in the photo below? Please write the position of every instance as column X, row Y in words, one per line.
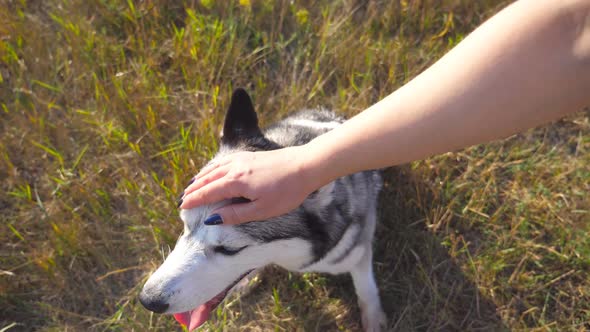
column 198, row 316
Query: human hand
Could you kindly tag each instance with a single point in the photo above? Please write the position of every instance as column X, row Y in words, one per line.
column 275, row 182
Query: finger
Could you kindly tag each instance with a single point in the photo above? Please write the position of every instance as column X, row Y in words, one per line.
column 238, row 213
column 213, row 175
column 211, row 166
column 211, row 193
column 206, row 170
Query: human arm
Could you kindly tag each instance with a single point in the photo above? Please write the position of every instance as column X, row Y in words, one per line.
column 527, row 65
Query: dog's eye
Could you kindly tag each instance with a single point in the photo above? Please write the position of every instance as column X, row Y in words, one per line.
column 227, row 251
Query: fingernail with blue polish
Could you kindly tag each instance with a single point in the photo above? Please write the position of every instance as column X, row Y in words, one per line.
column 213, row 220
column 190, row 182
column 180, row 203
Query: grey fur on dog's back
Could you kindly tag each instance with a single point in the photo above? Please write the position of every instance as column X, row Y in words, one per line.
column 327, row 213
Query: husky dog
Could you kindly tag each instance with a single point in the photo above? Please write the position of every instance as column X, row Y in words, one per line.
column 331, row 231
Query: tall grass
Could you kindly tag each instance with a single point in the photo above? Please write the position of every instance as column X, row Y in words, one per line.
column 107, row 108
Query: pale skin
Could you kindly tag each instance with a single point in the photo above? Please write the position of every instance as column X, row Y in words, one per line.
column 527, row 65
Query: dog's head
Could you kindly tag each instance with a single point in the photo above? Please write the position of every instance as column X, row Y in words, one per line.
column 208, row 261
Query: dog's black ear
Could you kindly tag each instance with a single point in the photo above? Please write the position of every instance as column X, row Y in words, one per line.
column 241, row 121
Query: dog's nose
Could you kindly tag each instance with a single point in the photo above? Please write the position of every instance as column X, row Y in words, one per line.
column 153, row 304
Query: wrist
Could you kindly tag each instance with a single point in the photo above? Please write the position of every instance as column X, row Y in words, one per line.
column 304, row 170
column 315, row 168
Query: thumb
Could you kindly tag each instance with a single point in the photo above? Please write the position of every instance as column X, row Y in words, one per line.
column 234, row 214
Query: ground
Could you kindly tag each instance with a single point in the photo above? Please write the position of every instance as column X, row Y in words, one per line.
column 107, row 108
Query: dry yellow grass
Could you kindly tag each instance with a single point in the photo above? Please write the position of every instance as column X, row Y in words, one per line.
column 107, row 108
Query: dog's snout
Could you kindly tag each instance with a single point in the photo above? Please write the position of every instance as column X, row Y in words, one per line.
column 154, row 304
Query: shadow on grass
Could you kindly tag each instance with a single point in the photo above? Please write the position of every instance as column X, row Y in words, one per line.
column 421, row 287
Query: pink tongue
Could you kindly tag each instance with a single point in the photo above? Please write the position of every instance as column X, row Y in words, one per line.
column 194, row 318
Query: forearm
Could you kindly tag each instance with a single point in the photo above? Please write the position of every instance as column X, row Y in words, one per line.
column 526, row 66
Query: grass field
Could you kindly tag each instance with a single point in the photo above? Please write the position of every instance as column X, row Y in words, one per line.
column 107, row 108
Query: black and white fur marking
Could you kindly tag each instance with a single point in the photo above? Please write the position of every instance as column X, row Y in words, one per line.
column 330, row 232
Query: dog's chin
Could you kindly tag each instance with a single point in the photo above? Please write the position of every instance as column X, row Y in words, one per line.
column 198, row 316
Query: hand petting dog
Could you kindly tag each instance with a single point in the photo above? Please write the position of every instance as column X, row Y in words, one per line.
column 274, row 182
